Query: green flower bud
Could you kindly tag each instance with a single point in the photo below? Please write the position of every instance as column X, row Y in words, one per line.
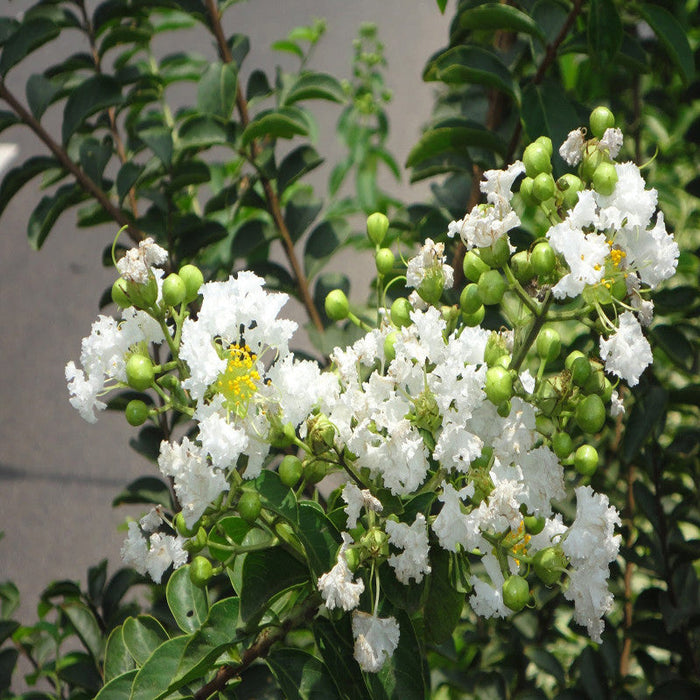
column 605, row 178
column 503, row 409
column 384, row 260
column 201, row 571
column 290, row 470
column 193, row 278
column 249, row 506
column 139, row 372
column 586, row 460
column 400, row 312
column 536, row 160
column 601, row 119
column 337, row 305
column 516, row 593
column 548, row 344
column 432, row 286
column 473, row 266
column 579, row 366
column 526, row 192
column 136, row 412
column 522, row 266
column 499, row 385
column 120, row 293
column 491, row 287
column 198, row 542
column 590, row 414
column 280, row 435
column 469, row 299
column 548, row 564
column 352, row 559
column 474, row 319
column 592, row 158
column 377, row 226
column 562, row 444
column 596, row 381
column 497, row 254
column 543, row 187
column 315, row 470
column 534, row 524
column 570, row 186
column 181, row 528
column 321, row 434
column 546, row 143
column 543, row 259
column 174, row 290
column 389, row 342
column 495, row 349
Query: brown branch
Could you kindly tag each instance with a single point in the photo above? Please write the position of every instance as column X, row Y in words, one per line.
column 270, row 194
column 75, row 170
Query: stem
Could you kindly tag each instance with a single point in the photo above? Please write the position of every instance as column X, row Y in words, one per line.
column 518, row 289
column 537, row 324
column 270, row 194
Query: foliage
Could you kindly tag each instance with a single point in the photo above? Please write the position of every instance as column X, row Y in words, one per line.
column 216, row 182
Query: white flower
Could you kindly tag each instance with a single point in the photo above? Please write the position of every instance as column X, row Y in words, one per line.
column 413, row 561
column 617, row 407
column 487, row 599
column 572, row 149
column 357, row 499
column 137, row 262
column 544, row 480
column 483, row 226
column 612, row 140
column 337, row 586
column 375, row 640
column 588, row 589
column 154, row 555
column 452, row 526
column 629, row 204
column 627, row 352
column 429, row 266
column 497, row 185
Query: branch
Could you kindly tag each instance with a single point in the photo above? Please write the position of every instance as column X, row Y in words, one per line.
column 82, row 179
column 270, row 194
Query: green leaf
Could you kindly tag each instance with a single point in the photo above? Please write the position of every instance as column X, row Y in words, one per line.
column 93, row 95
column 493, row 16
column 50, row 207
column 16, row 178
column 336, row 648
column 547, row 662
column 284, row 123
column 188, row 172
column 300, row 161
column 249, row 238
column 201, row 131
column 604, row 31
column 116, row 588
column 675, row 344
column 275, row 496
column 160, row 140
column 442, row 4
column 127, row 177
column 258, row 85
column 28, row 36
column 319, row 537
column 118, row 660
column 217, row 89
column 8, row 661
column 648, row 411
column 300, row 675
column 9, row 599
column 118, row 688
column 443, row 140
column 94, row 156
column 300, row 212
column 673, row 37
column 78, row 669
column 239, row 44
column 471, row 64
column 187, row 602
column 7, row 629
column 315, row 86
column 40, row 92
column 145, row 489
column 153, row 680
column 147, row 443
column 193, row 233
column 142, row 635
column 444, row 604
column 322, row 242
column 287, row 47
column 86, row 626
column 231, row 529
column 275, row 276
column 7, row 119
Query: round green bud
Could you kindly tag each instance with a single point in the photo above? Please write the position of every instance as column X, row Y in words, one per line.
column 147, row 294
column 543, row 187
column 534, row 524
column 181, row 527
column 499, row 385
column 548, row 344
column 572, row 357
column 120, row 295
column 590, row 414
column 491, row 287
column 337, row 305
column 193, row 278
column 605, row 178
column 580, row 371
column 545, row 425
column 352, row 559
column 495, row 348
column 290, row 470
column 619, row 288
column 536, row 160
column 136, row 412
column 174, row 290
column 377, row 226
column 473, row 266
column 400, row 312
column 315, row 470
column 606, row 394
column 139, row 372
column 389, row 342
column 546, row 143
column 543, row 259
column 526, row 192
column 201, row 571
column 570, row 185
column 469, row 299
column 516, row 593
column 596, row 381
column 497, row 254
column 586, row 460
column 503, row 409
column 601, row 119
column 592, row 158
column 249, row 506
column 198, row 542
column 474, row 319
column 562, row 444
column 548, row 564
column 384, row 260
column 522, row 267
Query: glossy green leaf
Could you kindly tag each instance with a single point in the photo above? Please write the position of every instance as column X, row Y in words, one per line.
column 78, row 669
column 116, row 588
column 160, row 140
column 300, row 675
column 673, row 37
column 283, row 124
column 443, row 606
column 7, row 119
column 492, row 16
column 93, row 95
column 8, row 661
column 201, row 131
column 187, row 602
column 229, row 530
column 294, row 165
column 250, row 237
column 117, row 660
column 28, row 36
column 300, row 212
column 547, row 662
column 7, row 629
column 193, row 233
column 127, row 177
column 217, row 90
column 275, row 496
column 86, row 626
column 40, row 93
column 258, row 85
column 186, row 173
column 16, row 178
column 142, row 635
column 322, row 242
column 471, row 64
column 153, row 679
column 648, row 411
column 118, row 688
column 9, row 599
column 94, row 156
column 315, row 86
column 287, row 47
column 676, row 345
column 275, row 276
column 335, row 642
column 319, row 537
column 50, row 207
column 443, row 140
column 145, row 489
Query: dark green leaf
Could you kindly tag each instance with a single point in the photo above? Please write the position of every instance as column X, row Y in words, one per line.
column 315, row 86
column 258, row 85
column 118, row 688
column 118, row 660
column 115, row 590
column 217, row 90
column 93, row 95
column 28, row 36
column 442, row 4
column 127, row 177
column 676, row 299
column 297, row 163
column 230, row 529
column 7, row 119
column 188, row 172
column 323, row 241
column 146, row 489
column 7, row 629
column 200, row 131
column 160, row 140
column 300, row 212
column 8, row 661
column 604, row 31
column 8, row 26
column 675, row 344
column 193, row 233
column 276, row 496
column 300, row 675
column 50, row 207
column 249, row 238
column 592, row 673
column 16, row 178
column 239, row 44
column 673, row 37
column 444, row 604
column 86, row 626
column 275, row 276
column 647, row 412
column 9, row 599
column 61, row 589
column 147, row 444
column 492, row 16
column 547, row 662
column 40, row 93
column 443, row 140
column 677, row 688
column 187, row 602
column 284, row 123
column 97, row 577
column 142, row 635
column 94, row 157
column 319, row 537
column 78, row 669
column 153, row 680
column 334, row 641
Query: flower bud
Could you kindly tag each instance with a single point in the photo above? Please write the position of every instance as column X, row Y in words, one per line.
column 139, row 372
column 492, row 287
column 384, row 260
column 579, row 366
column 592, row 158
column 605, row 178
column 548, row 344
column 590, row 414
column 181, row 528
column 337, row 305
column 546, row 143
column 504, row 409
column 474, row 319
column 562, row 444
column 469, row 299
column 200, row 571
column 548, row 564
column 543, row 187
column 526, row 192
column 193, row 278
column 400, row 312
column 352, row 559
column 136, row 412
column 586, row 460
column 249, row 506
column 543, row 259
column 534, row 524
column 499, row 385
column 315, row 470
column 377, row 226
column 536, row 160
column 198, row 542
column 494, row 349
column 120, row 293
column 290, row 470
column 570, row 185
column 601, row 119
column 389, row 342
column 321, row 434
column 432, row 286
column 522, row 266
column 497, row 254
column 516, row 593
column 473, row 266
column 174, row 290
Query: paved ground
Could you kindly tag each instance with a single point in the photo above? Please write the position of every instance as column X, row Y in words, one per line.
column 58, row 474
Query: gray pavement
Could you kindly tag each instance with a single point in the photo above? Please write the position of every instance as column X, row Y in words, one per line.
column 58, row 475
